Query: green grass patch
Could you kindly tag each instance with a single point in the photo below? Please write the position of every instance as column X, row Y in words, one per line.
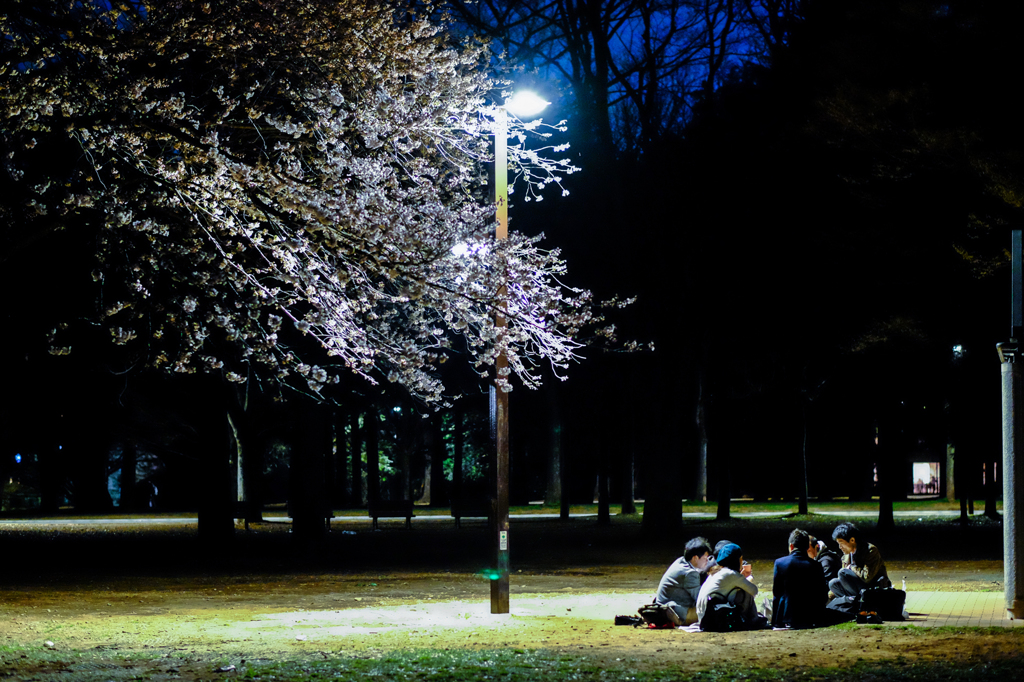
column 539, row 666
column 505, row 665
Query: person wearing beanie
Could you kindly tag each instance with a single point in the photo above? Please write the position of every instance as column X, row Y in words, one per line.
column 728, row 582
column 745, row 569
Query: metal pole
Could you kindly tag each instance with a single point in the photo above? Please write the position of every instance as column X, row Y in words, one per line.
column 499, row 397
column 1013, row 494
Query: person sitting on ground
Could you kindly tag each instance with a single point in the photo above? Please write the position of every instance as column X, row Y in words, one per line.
column 862, row 563
column 746, row 570
column 728, row 582
column 681, row 583
column 828, row 559
column 799, row 589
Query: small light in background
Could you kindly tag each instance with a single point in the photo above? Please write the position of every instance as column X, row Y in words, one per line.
column 17, row 458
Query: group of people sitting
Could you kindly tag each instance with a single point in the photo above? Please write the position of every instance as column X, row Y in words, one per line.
column 806, row 582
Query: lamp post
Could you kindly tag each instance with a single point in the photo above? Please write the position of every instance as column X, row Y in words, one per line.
column 1011, row 359
column 522, row 104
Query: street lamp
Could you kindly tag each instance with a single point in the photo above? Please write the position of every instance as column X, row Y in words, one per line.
column 522, row 104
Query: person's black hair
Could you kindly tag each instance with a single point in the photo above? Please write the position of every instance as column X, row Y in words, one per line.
column 799, row 539
column 698, row 546
column 845, row 531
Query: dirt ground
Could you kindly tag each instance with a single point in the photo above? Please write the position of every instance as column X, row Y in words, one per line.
column 137, row 594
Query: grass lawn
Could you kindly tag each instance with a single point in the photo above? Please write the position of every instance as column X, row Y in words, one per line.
column 113, row 602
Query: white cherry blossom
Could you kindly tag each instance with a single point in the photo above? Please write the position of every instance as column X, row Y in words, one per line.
column 241, row 165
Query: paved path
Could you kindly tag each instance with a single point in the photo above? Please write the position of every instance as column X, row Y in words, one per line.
column 192, row 520
column 973, row 609
column 188, row 520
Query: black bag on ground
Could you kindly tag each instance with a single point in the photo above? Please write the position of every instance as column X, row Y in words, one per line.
column 848, row 605
column 721, row 615
column 887, row 602
column 658, row 616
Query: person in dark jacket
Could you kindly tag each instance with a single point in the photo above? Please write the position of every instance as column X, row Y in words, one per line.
column 798, row 586
column 800, row 590
column 829, row 560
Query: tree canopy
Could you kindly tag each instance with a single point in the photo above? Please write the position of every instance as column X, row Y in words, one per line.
column 233, row 177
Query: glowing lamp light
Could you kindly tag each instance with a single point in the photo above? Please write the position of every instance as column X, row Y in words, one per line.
column 490, row 574
column 525, row 104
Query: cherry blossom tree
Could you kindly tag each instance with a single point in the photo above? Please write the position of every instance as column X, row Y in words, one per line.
column 250, row 176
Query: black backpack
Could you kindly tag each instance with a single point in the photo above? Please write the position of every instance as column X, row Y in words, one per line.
column 656, row 616
column 721, row 615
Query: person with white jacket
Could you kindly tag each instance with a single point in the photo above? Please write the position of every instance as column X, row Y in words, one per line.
column 728, row 582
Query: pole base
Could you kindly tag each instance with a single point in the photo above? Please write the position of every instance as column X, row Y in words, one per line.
column 1015, row 610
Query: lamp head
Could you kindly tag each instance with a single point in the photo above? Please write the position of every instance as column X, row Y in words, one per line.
column 525, row 104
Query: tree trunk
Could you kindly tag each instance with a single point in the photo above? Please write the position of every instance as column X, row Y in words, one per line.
column 371, row 428
column 51, row 466
column 564, row 484
column 88, row 445
column 129, row 466
column 308, row 493
column 342, row 451
column 6, row 461
column 961, row 489
column 803, row 464
column 886, row 520
column 331, row 456
column 457, row 446
column 991, row 489
column 216, row 525
column 553, row 491
column 627, row 448
column 663, row 505
column 438, row 452
column 604, row 516
column 889, row 447
column 248, row 453
column 700, row 415
column 628, row 477
column 724, row 511
column 356, row 452
column 951, row 482
column 405, row 455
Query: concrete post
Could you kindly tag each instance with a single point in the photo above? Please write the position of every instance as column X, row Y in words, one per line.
column 1013, row 494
